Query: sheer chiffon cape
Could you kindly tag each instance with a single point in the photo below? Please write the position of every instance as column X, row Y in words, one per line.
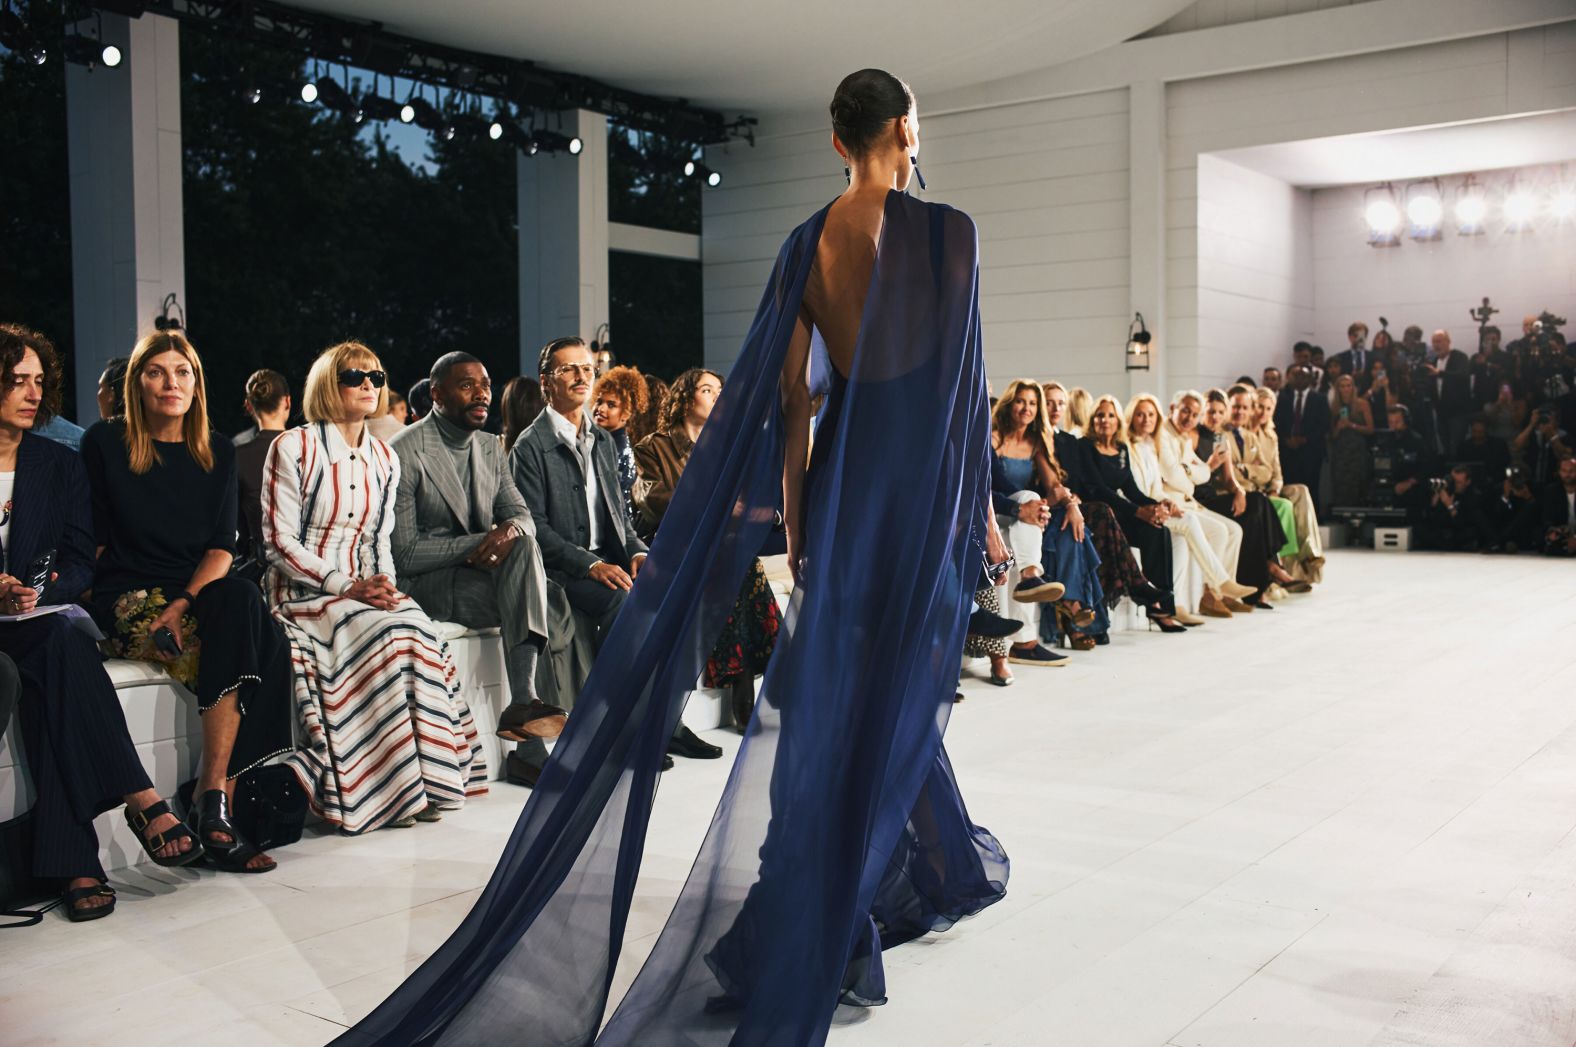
column 841, row 829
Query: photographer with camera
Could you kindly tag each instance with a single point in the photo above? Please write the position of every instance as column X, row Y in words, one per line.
column 1513, row 520
column 1412, row 465
column 1454, row 520
column 1559, row 512
column 1541, row 445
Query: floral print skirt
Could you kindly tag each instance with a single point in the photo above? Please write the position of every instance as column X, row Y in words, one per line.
column 750, row 634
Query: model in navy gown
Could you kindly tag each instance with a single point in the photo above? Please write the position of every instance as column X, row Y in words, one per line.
column 841, row 831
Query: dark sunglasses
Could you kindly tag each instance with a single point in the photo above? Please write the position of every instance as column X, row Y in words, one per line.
column 351, row 377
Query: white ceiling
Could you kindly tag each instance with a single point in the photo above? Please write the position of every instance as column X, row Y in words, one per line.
column 770, row 57
column 1480, row 145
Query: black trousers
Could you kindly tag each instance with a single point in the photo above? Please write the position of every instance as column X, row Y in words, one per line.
column 1262, row 534
column 243, row 650
column 79, row 753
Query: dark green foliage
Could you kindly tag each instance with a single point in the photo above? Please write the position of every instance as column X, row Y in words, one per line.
column 656, row 307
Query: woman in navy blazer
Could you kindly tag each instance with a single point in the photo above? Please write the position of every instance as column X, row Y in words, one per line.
column 74, row 736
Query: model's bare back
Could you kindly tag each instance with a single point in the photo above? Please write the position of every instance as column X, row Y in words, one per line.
column 834, row 296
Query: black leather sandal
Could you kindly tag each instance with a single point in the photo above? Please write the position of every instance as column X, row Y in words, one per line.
column 70, row 898
column 213, row 816
column 152, row 845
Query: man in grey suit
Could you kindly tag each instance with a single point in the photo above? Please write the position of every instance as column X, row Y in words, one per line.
column 567, row 471
column 465, row 544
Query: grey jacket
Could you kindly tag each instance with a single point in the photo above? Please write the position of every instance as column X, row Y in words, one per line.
column 549, row 477
column 433, row 526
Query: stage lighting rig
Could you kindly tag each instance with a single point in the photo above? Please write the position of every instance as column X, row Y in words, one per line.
column 1424, row 210
column 696, row 169
column 334, row 97
column 1520, row 207
column 1471, row 208
column 1382, row 215
column 557, row 142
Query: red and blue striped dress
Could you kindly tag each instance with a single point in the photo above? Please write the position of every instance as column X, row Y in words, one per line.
column 385, row 729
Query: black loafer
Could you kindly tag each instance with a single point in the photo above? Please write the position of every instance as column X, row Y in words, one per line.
column 992, row 626
column 687, row 744
column 519, row 772
column 667, row 762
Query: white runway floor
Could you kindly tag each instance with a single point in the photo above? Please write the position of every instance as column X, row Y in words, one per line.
column 1344, row 822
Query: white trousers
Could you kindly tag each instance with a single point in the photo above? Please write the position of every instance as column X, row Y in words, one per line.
column 1214, row 541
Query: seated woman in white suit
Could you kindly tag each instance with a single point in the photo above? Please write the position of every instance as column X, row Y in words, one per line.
column 1214, row 541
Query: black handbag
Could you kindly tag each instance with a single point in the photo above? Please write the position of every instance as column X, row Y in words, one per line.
column 18, row 885
column 269, row 807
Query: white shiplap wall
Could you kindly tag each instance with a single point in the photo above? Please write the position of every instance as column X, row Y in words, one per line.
column 1212, row 14
column 1434, row 284
column 1046, row 183
column 1255, row 269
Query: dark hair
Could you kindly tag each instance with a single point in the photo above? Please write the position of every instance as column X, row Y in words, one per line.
column 1404, row 411
column 680, row 395
column 264, row 390
column 447, row 362
column 15, row 341
column 419, row 399
column 864, row 104
column 115, row 376
column 552, row 347
column 522, row 402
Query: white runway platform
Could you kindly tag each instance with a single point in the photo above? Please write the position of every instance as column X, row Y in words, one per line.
column 1344, row 822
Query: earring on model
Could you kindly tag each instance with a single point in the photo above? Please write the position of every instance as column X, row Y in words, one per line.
column 914, row 159
column 847, row 175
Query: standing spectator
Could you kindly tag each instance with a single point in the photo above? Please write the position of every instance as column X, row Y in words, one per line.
column 268, row 403
column 1351, row 462
column 465, row 547
column 1505, row 415
column 389, row 741
column 522, row 402
column 1541, row 445
column 164, row 515
column 1354, row 359
column 1449, row 372
column 80, row 756
column 619, row 396
column 1302, row 419
column 1271, row 379
column 750, row 633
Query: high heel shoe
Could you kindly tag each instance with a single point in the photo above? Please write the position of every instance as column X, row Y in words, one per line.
column 1191, row 620
column 1166, row 625
column 1077, row 620
column 1232, row 588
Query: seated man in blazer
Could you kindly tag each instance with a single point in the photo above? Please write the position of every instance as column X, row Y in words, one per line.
column 1559, row 512
column 566, row 468
column 465, row 544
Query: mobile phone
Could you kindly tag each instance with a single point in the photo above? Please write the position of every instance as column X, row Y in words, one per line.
column 166, row 642
column 38, row 571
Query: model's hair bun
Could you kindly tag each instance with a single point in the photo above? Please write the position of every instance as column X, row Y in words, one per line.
column 864, row 104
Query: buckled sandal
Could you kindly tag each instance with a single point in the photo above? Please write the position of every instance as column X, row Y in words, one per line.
column 152, row 845
column 70, row 898
column 213, row 816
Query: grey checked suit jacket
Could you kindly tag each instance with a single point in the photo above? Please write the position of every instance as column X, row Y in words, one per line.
column 549, row 478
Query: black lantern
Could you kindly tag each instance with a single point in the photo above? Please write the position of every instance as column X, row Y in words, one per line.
column 1138, row 339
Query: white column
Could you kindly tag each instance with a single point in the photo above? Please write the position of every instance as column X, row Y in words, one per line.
column 1146, row 175
column 124, row 139
column 562, row 201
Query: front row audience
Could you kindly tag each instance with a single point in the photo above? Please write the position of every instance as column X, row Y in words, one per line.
column 1203, row 508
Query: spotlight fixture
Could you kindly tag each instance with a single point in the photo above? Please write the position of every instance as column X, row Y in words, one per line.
column 495, row 129
column 695, row 168
column 1138, row 344
column 1519, row 208
column 555, row 142
column 17, row 38
column 425, row 115
column 91, row 52
column 309, row 92
column 334, row 97
column 407, row 113
column 1471, row 209
column 1382, row 215
column 1562, row 205
column 377, row 107
column 1424, row 209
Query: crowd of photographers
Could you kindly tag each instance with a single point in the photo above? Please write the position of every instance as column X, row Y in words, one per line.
column 1471, row 451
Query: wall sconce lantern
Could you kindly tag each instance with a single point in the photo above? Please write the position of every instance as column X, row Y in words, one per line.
column 1138, row 344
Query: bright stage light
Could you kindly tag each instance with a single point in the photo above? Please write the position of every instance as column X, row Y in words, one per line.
column 1424, row 211
column 1470, row 208
column 1520, row 206
column 111, row 56
column 689, row 169
column 309, row 92
column 1382, row 216
column 714, row 179
column 495, row 130
column 407, row 113
column 575, row 146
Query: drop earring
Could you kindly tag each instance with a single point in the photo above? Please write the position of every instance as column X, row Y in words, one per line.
column 913, row 159
column 847, row 175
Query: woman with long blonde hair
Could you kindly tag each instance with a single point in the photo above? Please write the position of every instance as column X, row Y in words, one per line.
column 1264, row 471
column 164, row 506
column 389, row 739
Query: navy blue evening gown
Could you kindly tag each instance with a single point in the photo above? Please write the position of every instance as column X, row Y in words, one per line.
column 841, row 830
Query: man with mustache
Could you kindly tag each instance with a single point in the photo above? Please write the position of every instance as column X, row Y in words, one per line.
column 465, row 545
column 566, row 467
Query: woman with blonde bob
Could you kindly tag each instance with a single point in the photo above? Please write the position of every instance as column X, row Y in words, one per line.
column 1263, row 467
column 389, row 740
column 164, row 513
